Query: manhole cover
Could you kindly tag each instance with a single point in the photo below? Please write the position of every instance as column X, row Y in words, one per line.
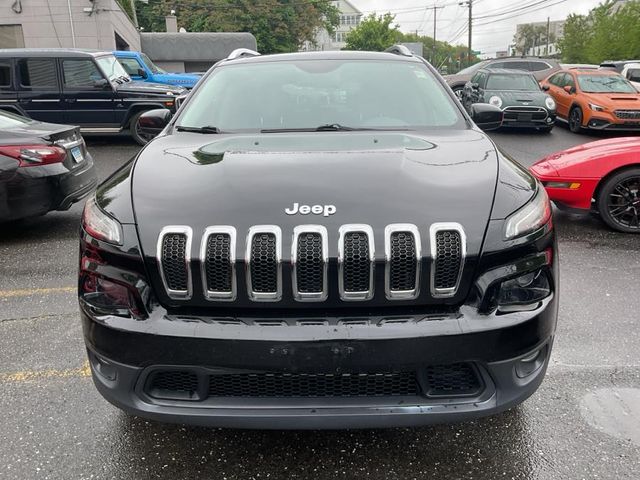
column 614, row 411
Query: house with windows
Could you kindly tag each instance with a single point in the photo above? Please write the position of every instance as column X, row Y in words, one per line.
column 350, row 17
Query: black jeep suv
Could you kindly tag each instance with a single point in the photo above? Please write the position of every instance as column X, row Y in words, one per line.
column 78, row 87
column 319, row 240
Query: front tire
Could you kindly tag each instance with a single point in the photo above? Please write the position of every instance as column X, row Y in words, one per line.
column 458, row 91
column 134, row 129
column 575, row 120
column 619, row 201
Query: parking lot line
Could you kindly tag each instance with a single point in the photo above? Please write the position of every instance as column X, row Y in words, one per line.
column 31, row 375
column 27, row 292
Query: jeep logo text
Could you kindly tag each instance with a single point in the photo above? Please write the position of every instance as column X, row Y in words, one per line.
column 324, row 210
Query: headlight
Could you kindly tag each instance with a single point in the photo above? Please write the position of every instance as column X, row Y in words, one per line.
column 100, row 225
column 526, row 289
column 550, row 103
column 529, row 218
column 495, row 101
column 596, row 108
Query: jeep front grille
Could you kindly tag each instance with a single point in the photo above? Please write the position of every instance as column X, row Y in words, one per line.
column 174, row 247
column 310, row 251
column 447, row 254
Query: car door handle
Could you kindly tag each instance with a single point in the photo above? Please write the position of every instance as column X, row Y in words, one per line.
column 70, row 100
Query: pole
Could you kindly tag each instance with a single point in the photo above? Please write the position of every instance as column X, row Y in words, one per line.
column 433, row 52
column 73, row 33
column 546, row 53
column 133, row 10
column 470, row 26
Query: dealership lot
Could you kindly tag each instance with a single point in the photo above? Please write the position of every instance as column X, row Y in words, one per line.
column 55, row 425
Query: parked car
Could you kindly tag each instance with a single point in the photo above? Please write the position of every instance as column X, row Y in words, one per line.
column 541, row 68
column 602, row 176
column 631, row 72
column 78, row 87
column 616, row 66
column 140, row 67
column 580, row 66
column 43, row 167
column 312, row 249
column 516, row 93
column 594, row 99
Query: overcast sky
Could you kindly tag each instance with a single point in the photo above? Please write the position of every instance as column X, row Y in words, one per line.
column 489, row 34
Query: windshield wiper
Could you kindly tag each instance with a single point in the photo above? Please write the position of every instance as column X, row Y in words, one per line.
column 327, row 127
column 205, row 129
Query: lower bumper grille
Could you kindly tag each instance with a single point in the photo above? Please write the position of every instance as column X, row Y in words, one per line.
column 437, row 381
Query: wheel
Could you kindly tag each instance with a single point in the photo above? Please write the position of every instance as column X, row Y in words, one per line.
column 545, row 129
column 458, row 91
column 575, row 120
column 619, row 201
column 134, row 128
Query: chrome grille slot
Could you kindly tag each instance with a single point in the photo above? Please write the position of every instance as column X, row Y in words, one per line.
column 263, row 262
column 448, row 251
column 217, row 263
column 628, row 114
column 403, row 254
column 174, row 257
column 356, row 255
column 309, row 258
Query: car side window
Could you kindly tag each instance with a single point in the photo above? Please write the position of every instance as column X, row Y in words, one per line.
column 5, row 74
column 130, row 65
column 498, row 65
column 80, row 73
column 482, row 81
column 518, row 65
column 475, row 78
column 536, row 66
column 569, row 81
column 38, row 73
column 557, row 80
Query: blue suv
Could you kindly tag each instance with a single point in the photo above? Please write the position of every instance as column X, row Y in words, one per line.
column 140, row 67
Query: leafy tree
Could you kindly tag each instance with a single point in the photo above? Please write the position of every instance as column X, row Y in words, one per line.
column 278, row 25
column 446, row 58
column 374, row 33
column 529, row 36
column 577, row 36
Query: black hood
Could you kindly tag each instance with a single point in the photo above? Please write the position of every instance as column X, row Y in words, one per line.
column 151, row 88
column 371, row 178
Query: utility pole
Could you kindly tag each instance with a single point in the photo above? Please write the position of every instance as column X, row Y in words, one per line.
column 133, row 10
column 433, row 52
column 546, row 53
column 469, row 4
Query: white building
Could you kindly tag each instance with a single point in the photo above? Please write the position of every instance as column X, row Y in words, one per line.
column 556, row 32
column 350, row 17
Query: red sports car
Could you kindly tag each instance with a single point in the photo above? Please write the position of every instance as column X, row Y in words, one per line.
column 603, row 176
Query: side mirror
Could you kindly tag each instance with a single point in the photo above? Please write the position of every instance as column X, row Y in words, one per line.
column 180, row 99
column 142, row 73
column 475, row 86
column 545, row 88
column 153, row 122
column 486, row 116
column 101, row 84
column 569, row 89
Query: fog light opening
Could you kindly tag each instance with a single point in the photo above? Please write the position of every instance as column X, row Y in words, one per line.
column 103, row 368
column 531, row 363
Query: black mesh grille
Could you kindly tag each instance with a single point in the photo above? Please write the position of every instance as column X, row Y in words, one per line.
column 356, row 262
column 264, row 264
column 402, row 275
column 173, row 384
column 310, row 264
column 448, row 259
column 174, row 267
column 218, row 266
column 313, row 385
column 452, row 380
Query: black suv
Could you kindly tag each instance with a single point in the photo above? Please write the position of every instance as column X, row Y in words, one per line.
column 319, row 240
column 78, row 87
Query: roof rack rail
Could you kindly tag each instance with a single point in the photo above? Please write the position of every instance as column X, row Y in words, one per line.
column 242, row 52
column 399, row 50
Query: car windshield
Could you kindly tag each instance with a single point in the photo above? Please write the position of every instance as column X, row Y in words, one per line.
column 112, row 68
column 605, row 84
column 9, row 120
column 307, row 94
column 473, row 68
column 152, row 66
column 500, row 81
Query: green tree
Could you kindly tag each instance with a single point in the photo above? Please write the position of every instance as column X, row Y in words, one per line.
column 577, row 35
column 374, row 33
column 278, row 25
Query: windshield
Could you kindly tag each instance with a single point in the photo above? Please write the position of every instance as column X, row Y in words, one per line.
column 9, row 120
column 152, row 66
column 472, row 68
column 112, row 68
column 498, row 81
column 306, row 94
column 605, row 84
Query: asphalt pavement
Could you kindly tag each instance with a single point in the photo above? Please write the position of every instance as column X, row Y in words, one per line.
column 583, row 423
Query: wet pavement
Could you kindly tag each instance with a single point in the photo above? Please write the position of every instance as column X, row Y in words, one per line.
column 583, row 423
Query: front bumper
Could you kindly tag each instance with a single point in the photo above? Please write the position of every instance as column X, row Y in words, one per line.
column 125, row 353
column 613, row 124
